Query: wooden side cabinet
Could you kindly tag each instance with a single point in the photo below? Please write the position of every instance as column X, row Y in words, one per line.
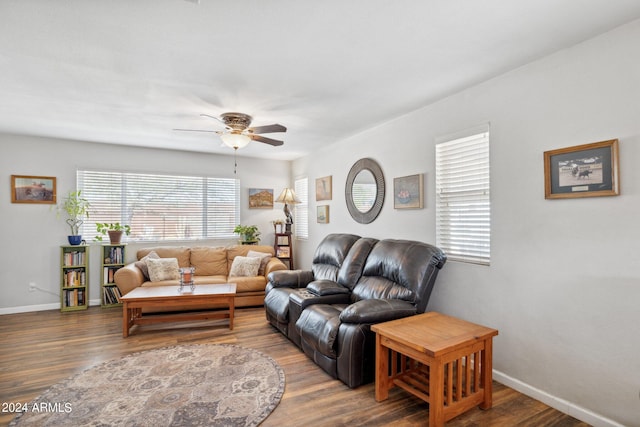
column 113, row 257
column 74, row 277
column 283, row 247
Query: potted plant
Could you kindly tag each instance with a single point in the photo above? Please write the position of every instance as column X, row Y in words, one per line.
column 249, row 233
column 76, row 207
column 114, row 230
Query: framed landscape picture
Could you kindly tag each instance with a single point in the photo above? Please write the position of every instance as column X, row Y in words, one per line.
column 323, row 188
column 588, row 170
column 260, row 198
column 33, row 189
column 408, row 192
column 322, row 214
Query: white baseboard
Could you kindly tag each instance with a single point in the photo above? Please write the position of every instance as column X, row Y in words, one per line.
column 561, row 405
column 39, row 307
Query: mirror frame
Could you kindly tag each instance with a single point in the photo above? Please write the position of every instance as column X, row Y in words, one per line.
column 373, row 167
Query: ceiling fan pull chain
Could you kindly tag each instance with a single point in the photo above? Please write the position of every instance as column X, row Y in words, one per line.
column 235, row 162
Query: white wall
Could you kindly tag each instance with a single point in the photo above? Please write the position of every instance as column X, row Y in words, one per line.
column 32, row 233
column 563, row 287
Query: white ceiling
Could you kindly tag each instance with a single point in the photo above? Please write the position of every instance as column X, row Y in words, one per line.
column 129, row 72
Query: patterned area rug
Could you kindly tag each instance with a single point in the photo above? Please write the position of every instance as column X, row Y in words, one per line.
column 185, row 385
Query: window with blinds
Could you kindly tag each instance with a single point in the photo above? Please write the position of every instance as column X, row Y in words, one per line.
column 162, row 207
column 301, row 218
column 463, row 208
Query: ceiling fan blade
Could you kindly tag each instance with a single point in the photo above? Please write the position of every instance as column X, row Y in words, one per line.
column 267, row 129
column 266, row 140
column 199, row 130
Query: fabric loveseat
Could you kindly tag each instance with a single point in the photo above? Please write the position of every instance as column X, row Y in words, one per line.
column 353, row 283
column 212, row 265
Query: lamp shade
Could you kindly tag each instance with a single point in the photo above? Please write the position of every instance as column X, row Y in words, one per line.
column 288, row 196
column 235, row 140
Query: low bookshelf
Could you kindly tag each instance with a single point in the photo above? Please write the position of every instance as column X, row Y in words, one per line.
column 112, row 259
column 74, row 277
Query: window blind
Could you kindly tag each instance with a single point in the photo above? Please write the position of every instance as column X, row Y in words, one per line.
column 301, row 218
column 162, row 207
column 463, row 209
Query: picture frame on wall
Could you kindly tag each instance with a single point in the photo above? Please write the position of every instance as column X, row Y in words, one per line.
column 322, row 214
column 261, row 198
column 323, row 189
column 33, row 189
column 408, row 192
column 588, row 170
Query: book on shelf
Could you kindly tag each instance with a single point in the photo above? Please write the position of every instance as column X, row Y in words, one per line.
column 74, row 258
column 74, row 297
column 111, row 294
column 114, row 255
column 108, row 275
column 75, row 277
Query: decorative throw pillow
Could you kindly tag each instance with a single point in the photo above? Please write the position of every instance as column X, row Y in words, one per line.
column 163, row 269
column 243, row 266
column 142, row 264
column 264, row 260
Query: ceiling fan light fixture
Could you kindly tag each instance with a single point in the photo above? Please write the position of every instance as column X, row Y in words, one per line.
column 235, row 140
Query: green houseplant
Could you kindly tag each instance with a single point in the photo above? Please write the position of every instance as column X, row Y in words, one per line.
column 114, row 230
column 248, row 233
column 76, row 208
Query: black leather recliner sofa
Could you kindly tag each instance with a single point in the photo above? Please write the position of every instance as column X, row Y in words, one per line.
column 354, row 282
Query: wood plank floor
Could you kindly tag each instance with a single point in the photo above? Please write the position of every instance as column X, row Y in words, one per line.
column 41, row 348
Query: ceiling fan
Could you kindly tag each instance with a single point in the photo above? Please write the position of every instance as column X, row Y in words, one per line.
column 238, row 133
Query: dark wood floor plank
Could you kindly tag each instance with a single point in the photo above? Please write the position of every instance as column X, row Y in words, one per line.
column 40, row 349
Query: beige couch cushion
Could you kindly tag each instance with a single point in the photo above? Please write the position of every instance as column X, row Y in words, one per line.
column 209, row 261
column 163, row 269
column 181, row 253
column 244, row 267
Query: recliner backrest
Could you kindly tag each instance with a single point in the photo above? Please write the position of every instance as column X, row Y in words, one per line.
column 330, row 255
column 352, row 267
column 400, row 269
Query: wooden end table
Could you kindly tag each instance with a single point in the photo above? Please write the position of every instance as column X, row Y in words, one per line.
column 168, row 297
column 442, row 360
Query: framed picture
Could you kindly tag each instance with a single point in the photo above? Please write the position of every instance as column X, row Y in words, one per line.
column 283, row 252
column 588, row 170
column 260, row 198
column 322, row 214
column 283, row 240
column 323, row 188
column 33, row 189
column 408, row 192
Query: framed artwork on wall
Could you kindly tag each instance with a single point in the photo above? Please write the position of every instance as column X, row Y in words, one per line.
column 408, row 192
column 589, row 170
column 322, row 214
column 33, row 189
column 261, row 198
column 323, row 188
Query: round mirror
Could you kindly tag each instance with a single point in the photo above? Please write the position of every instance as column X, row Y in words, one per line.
column 364, row 190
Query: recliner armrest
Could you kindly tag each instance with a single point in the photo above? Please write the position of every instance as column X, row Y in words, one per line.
column 290, row 278
column 326, row 287
column 376, row 311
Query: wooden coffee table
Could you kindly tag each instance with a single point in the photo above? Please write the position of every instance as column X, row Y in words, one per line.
column 440, row 359
column 168, row 297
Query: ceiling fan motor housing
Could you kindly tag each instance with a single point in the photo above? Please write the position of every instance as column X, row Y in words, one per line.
column 236, row 121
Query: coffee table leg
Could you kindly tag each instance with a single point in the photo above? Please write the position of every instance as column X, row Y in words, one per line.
column 125, row 319
column 232, row 304
column 382, row 370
